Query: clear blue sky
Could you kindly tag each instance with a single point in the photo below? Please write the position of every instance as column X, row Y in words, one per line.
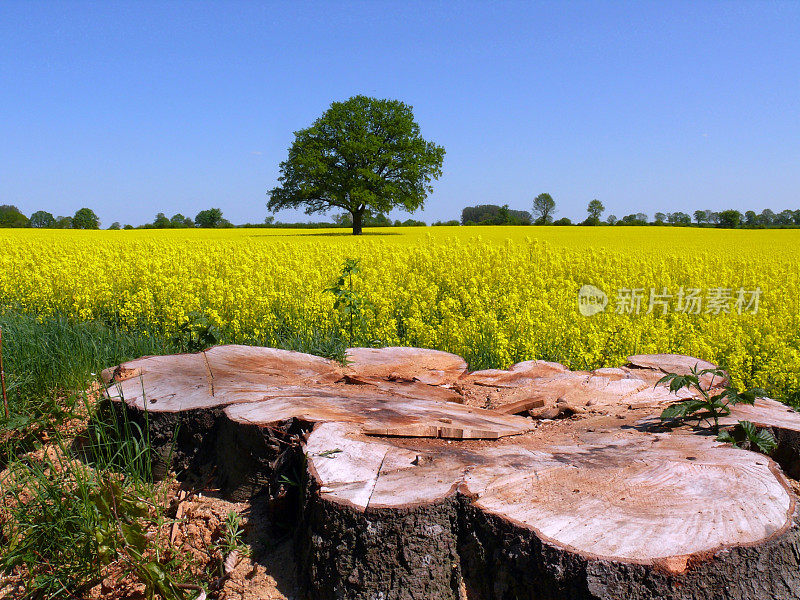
column 135, row 108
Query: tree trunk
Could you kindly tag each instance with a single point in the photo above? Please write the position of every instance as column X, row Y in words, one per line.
column 358, row 216
column 406, row 486
column 604, row 515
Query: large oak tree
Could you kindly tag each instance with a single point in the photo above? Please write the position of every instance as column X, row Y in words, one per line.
column 364, row 154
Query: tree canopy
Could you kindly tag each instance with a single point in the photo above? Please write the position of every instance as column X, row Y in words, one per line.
column 85, row 219
column 730, row 219
column 42, row 219
column 544, row 207
column 635, row 219
column 63, row 222
column 679, row 218
column 161, row 221
column 178, row 221
column 211, row 217
column 10, row 216
column 595, row 209
column 363, row 154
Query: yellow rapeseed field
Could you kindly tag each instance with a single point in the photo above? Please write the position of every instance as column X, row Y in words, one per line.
column 495, row 295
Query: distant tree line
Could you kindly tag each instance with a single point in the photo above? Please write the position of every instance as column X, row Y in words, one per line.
column 84, row 218
column 491, row 214
column 544, row 207
column 206, row 219
column 544, row 210
column 726, row 219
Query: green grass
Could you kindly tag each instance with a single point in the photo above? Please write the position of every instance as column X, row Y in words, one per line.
column 49, row 361
column 73, row 508
column 58, row 525
column 54, row 358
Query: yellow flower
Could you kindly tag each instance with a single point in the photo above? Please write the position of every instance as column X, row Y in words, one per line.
column 495, row 295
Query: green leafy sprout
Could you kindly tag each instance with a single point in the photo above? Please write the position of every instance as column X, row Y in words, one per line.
column 347, row 300
column 232, row 538
column 197, row 333
column 706, row 406
column 748, row 436
column 119, row 532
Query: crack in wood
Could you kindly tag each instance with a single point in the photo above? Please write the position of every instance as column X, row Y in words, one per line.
column 209, row 374
column 377, row 477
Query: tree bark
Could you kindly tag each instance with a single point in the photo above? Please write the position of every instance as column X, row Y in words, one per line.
column 358, row 216
column 393, row 554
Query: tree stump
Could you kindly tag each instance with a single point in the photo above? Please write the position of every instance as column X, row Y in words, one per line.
column 418, row 480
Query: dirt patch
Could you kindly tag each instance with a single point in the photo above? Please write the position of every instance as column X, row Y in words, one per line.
column 267, row 573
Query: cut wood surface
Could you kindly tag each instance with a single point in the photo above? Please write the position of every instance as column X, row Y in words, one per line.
column 517, row 375
column 265, row 386
column 379, row 413
column 675, row 363
column 421, row 481
column 622, row 495
column 783, row 421
column 523, row 405
column 411, row 364
column 605, row 389
column 669, row 363
column 764, row 412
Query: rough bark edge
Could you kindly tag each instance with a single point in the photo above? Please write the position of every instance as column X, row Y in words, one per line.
column 424, row 551
column 787, row 454
column 252, row 459
column 408, row 553
column 420, row 551
column 179, row 441
column 736, row 572
column 506, row 562
column 242, row 459
column 355, row 553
